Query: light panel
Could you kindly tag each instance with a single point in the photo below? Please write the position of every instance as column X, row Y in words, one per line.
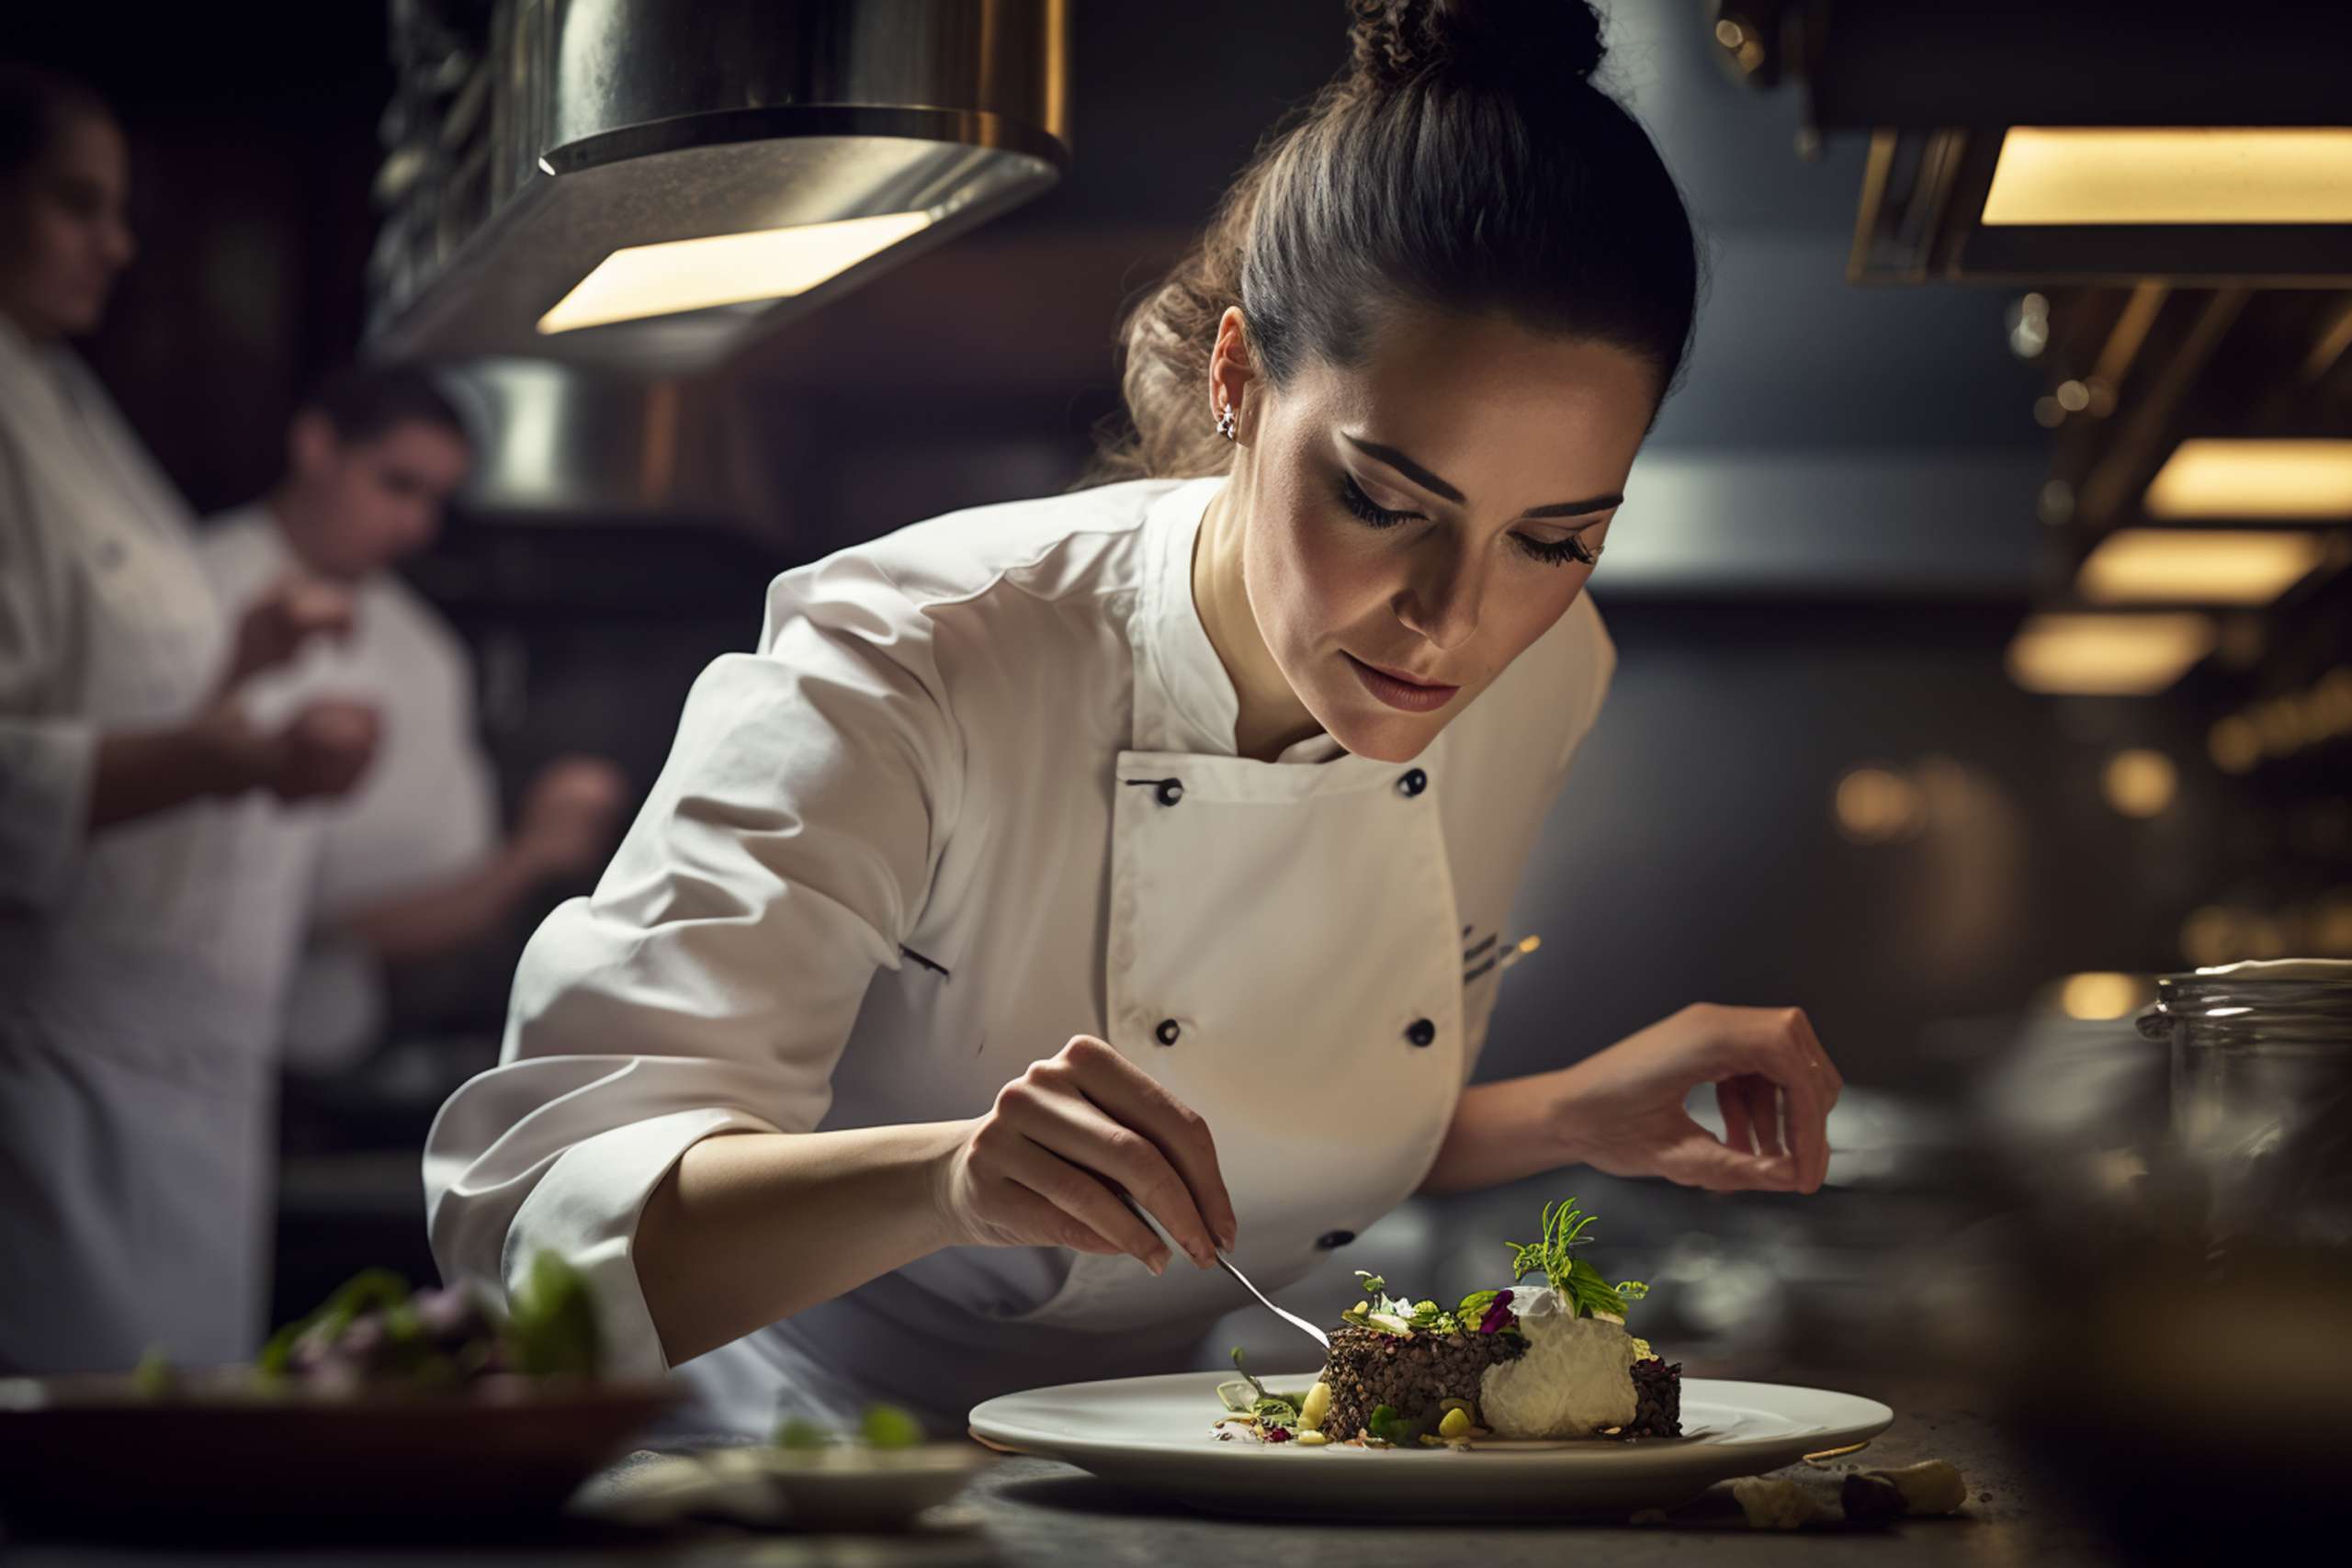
column 2139, row 782
column 2197, row 566
column 2070, row 175
column 2106, row 655
column 2214, row 478
column 637, row 281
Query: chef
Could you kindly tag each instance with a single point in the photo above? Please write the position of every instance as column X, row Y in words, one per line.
column 412, row 865
column 135, row 1077
column 1152, row 839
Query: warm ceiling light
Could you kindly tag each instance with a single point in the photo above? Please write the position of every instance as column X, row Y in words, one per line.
column 2234, row 744
column 2070, row 175
column 1876, row 807
column 723, row 269
column 2197, row 566
column 2098, row 996
column 2139, row 782
column 2208, row 478
column 2106, row 655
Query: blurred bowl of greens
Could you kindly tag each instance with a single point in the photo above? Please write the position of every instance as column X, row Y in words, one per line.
column 386, row 1412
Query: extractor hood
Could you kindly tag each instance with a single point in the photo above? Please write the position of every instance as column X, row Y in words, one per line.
column 651, row 184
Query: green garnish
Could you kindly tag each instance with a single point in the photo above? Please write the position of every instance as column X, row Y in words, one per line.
column 1386, row 1425
column 1276, row 1411
column 1271, row 1409
column 153, row 1377
column 887, row 1427
column 878, row 1427
column 1585, row 1286
column 1256, row 1387
column 800, row 1432
column 553, row 1326
column 364, row 1291
column 1393, row 1314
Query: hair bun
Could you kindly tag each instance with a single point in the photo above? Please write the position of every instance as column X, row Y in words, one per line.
column 1397, row 42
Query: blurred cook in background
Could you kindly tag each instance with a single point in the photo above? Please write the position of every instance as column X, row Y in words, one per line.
column 412, row 864
column 137, row 1078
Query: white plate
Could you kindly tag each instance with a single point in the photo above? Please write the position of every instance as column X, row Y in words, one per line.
column 1156, row 1434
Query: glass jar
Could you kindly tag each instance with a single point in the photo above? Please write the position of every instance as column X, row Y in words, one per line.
column 2262, row 1096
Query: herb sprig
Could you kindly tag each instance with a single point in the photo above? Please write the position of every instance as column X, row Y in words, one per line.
column 1580, row 1283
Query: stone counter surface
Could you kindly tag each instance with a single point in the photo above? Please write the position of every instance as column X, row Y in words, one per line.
column 1022, row 1511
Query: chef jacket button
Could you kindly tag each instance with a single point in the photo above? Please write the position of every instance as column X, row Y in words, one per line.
column 1167, row 1032
column 1420, row 1031
column 1331, row 1239
column 1170, row 792
column 1412, row 784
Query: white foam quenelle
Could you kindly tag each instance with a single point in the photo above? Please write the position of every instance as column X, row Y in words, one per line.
column 1576, row 1379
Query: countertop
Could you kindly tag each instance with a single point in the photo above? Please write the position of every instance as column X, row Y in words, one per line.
column 1031, row 1511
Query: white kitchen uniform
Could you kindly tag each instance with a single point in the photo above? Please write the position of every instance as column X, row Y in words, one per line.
column 426, row 813
column 135, row 1086
column 976, row 792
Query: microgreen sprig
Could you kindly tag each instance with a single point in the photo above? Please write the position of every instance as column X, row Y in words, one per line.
column 1553, row 1253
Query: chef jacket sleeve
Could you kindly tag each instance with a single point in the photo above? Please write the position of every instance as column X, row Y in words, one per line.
column 711, row 980
column 47, row 756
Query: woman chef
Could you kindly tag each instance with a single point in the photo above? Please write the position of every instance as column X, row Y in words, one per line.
column 136, row 1077
column 1154, row 838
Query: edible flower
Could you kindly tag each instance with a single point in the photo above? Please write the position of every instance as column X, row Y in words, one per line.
column 1499, row 1315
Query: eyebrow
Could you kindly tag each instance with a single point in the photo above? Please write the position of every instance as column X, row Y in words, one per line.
column 1438, row 487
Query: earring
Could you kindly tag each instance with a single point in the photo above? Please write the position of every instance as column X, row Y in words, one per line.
column 1227, row 423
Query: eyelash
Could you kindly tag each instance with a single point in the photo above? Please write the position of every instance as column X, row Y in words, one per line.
column 1572, row 549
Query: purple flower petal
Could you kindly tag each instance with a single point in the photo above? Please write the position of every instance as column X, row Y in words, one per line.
column 1499, row 1315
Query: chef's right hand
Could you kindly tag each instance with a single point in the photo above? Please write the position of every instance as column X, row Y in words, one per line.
column 1045, row 1166
column 288, row 613
column 322, row 751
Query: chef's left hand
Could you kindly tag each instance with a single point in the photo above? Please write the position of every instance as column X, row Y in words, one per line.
column 1621, row 1111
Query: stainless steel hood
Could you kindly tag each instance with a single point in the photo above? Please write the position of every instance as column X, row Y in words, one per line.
column 523, row 158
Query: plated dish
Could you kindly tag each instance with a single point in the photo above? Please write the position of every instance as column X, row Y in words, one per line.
column 1549, row 1362
column 1147, row 1434
column 1530, row 1399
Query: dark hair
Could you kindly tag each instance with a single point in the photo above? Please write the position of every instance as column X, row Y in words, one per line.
column 1464, row 161
column 363, row 402
column 36, row 103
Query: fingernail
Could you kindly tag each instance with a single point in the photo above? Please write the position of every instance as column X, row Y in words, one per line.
column 1205, row 1258
column 1159, row 1263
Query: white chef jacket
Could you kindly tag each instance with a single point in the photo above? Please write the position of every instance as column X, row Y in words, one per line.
column 426, row 813
column 134, row 1093
column 976, row 792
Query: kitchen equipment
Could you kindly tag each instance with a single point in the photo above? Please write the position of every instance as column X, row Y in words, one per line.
column 694, row 161
column 2262, row 1096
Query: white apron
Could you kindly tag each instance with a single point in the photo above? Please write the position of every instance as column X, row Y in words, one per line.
column 135, row 1086
column 1240, row 890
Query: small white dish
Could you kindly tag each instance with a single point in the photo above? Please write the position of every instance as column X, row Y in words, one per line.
column 848, row 1486
column 1157, row 1435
